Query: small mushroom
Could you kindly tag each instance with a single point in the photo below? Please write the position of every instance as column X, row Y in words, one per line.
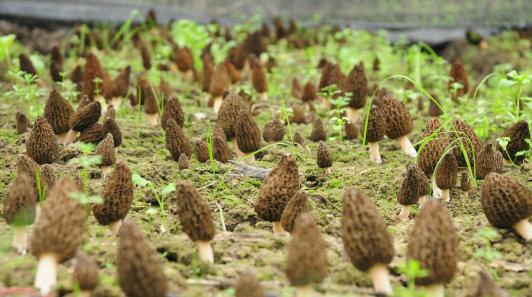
column 173, row 110
column 357, row 85
column 110, row 113
column 258, row 78
column 434, row 243
column 247, row 285
column 308, row 95
column 415, row 186
column 298, row 138
column 110, row 126
column 120, row 87
column 57, row 112
column 232, row 106
column 398, row 122
column 140, row 272
column 149, row 97
column 145, row 54
column 518, row 134
column 83, row 118
column 202, row 151
column 458, row 75
column 366, row 240
column 219, row 83
column 176, row 141
column 488, row 160
column 85, row 274
column 445, row 174
column 465, row 184
column 506, row 204
column 56, row 64
column 22, row 123
column 26, row 65
column 106, row 150
column 183, row 163
column 428, row 158
column 435, row 107
column 196, row 219
column 221, row 150
column 375, row 132
column 247, row 132
column 318, row 132
column 469, row 140
column 279, row 186
column 298, row 114
column 296, row 206
column 485, row 287
column 351, row 132
column 306, row 263
column 117, row 198
column 273, row 131
column 323, row 158
column 297, row 89
column 42, row 145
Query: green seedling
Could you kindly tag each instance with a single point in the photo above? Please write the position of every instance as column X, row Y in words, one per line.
column 516, row 83
column 41, row 188
column 160, row 196
column 6, row 42
column 86, row 161
column 208, row 138
column 411, row 269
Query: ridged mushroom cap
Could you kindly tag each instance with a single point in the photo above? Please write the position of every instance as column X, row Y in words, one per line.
column 92, row 134
column 336, row 77
column 309, row 92
column 176, row 141
column 434, row 243
column 273, row 131
column 415, row 185
column 221, row 150
column 233, row 73
column 465, row 184
column 357, row 84
column 279, row 186
column 85, row 116
column 434, row 109
column 194, row 213
column 459, row 75
column 183, row 163
column 202, row 151
column 145, row 54
column 351, row 131
column 59, row 229
column 110, row 113
column 93, row 69
column 488, row 160
column 173, row 110
column 298, row 114
column 218, row 131
column 232, row 106
column 446, row 172
column 184, row 59
column 323, row 158
column 57, row 112
column 464, row 131
column 325, row 74
column 398, row 120
column 247, row 132
column 518, row 133
column 48, row 176
column 247, row 285
column 86, row 273
column 220, row 81
column 298, row 138
column 318, row 131
column 140, row 272
column 117, row 196
column 19, row 203
column 106, row 149
column 111, row 127
column 208, row 72
column 26, row 65
column 307, row 261
column 42, row 145
column 376, row 125
column 430, row 154
column 504, row 200
column 431, row 127
column 148, row 96
column 366, row 239
column 296, row 206
column 258, row 77
column 22, row 122
column 120, row 85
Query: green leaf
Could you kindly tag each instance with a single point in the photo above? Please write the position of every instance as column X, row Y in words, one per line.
column 506, row 83
column 169, row 188
column 139, row 180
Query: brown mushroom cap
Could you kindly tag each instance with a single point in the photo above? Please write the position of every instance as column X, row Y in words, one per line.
column 117, row 196
column 518, row 134
column 323, row 158
column 220, row 81
column 430, row 154
column 184, row 59
column 233, row 73
column 298, row 138
column 208, row 72
column 92, row 134
column 194, row 213
column 120, row 85
column 309, row 92
column 183, row 163
column 106, row 149
column 298, row 114
column 85, row 116
column 434, row 109
column 145, row 54
column 248, row 285
column 19, row 204
column 296, row 206
column 221, row 150
column 86, row 273
column 307, row 260
column 459, row 75
column 465, row 184
column 366, row 239
column 488, row 160
column 42, row 145
column 279, row 186
column 26, row 65
column 232, row 106
column 57, row 112
column 505, row 201
column 273, row 131
column 59, row 229
column 258, row 76
column 446, row 172
column 110, row 113
column 430, row 128
column 173, row 110
column 376, row 125
column 325, row 73
column 415, row 185
column 93, row 70
column 148, row 96
column 22, row 122
column 218, row 131
column 468, row 138
column 176, row 141
column 247, row 132
column 434, row 243
column 357, row 84
column 202, row 151
column 318, row 132
column 140, row 272
column 110, row 126
column 351, row 131
column 397, row 118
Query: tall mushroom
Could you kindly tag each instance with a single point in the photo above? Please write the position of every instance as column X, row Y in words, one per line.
column 258, row 78
column 415, row 186
column 318, row 131
column 247, row 132
column 196, row 218
column 176, row 141
column 375, row 132
column 218, row 85
column 296, row 206
column 172, row 110
column 506, row 203
column 42, row 145
column 81, row 119
column 120, row 87
column 366, row 240
column 469, row 140
column 323, row 158
column 232, row 106
column 428, row 158
column 150, row 100
column 110, row 126
column 357, row 85
column 398, row 122
column 57, row 112
column 445, row 175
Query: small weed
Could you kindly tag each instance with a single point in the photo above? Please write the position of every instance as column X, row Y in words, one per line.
column 411, row 269
column 86, row 161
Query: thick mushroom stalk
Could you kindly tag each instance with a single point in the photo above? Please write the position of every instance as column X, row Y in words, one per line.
column 407, row 146
column 21, row 235
column 380, row 277
column 278, row 229
column 437, row 193
column 216, row 103
column 46, row 276
column 69, row 137
column 205, row 251
column 374, row 152
column 239, row 153
column 524, row 229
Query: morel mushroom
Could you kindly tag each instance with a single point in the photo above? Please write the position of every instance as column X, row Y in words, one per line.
column 221, row 150
column 176, row 141
column 19, row 210
column 22, row 123
column 398, row 122
column 232, row 106
column 298, row 114
column 202, row 151
column 145, row 54
column 357, row 85
column 110, row 126
column 351, row 132
column 147, row 94
column 428, row 159
column 375, row 132
column 57, row 233
column 92, row 73
column 247, row 285
column 318, row 132
column 117, row 198
column 247, row 134
column 120, row 87
column 196, row 218
column 83, row 118
column 42, row 144
column 469, row 140
column 86, row 274
column 434, row 243
column 435, row 107
column 279, row 186
column 106, row 150
column 445, row 175
column 296, row 206
column 173, row 110
column 415, row 186
column 518, row 134
column 140, row 273
column 488, row 160
column 506, row 204
column 309, row 95
column 273, row 131
column 323, row 158
column 307, row 261
column 183, row 163
column 218, row 85
column 57, row 112
column 366, row 239
column 458, row 75
column 465, row 184
column 92, row 134
column 26, row 65
column 258, row 78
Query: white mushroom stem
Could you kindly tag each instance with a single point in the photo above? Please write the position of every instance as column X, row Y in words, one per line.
column 436, row 192
column 152, row 118
column 84, row 294
column 102, row 101
column 70, row 136
column 20, row 239
column 303, row 291
column 352, row 115
column 524, row 229
column 278, row 229
column 188, row 75
column 106, row 170
column 380, row 278
column 216, row 103
column 374, row 153
column 435, row 290
column 115, row 227
column 46, row 275
column 327, row 170
column 61, row 138
column 445, row 195
column 407, row 146
column 37, row 212
column 239, row 153
column 205, row 251
column 263, row 96
column 116, row 101
column 422, row 200
column 405, row 211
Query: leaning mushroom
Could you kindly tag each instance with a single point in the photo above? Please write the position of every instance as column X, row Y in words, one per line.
column 83, row 118
column 415, row 186
column 445, row 175
column 518, row 134
column 398, row 122
column 376, row 129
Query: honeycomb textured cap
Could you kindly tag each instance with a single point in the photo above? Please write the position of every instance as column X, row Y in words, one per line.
column 42, row 145
column 296, row 206
column 376, row 125
column 220, row 81
column 505, row 201
column 176, row 141
column 184, row 59
column 307, row 260
column 398, row 120
column 465, row 184
column 364, row 233
column 318, row 131
column 111, row 127
column 26, row 65
column 488, row 160
column 183, row 163
column 202, row 151
column 22, row 122
column 430, row 154
column 279, row 186
column 194, row 213
column 337, row 77
column 518, row 134
column 208, row 72
column 218, row 131
column 86, row 272
column 434, row 109
column 117, row 196
column 357, row 84
column 59, row 229
column 48, row 176
column 309, row 92
column 232, row 106
column 247, row 132
column 298, row 114
column 258, row 78
column 148, row 96
column 92, row 134
column 19, row 204
column 233, row 73
column 140, row 272
column 323, row 158
column 465, row 132
column 106, row 149
column 57, row 112
column 273, row 131
column 434, row 243
column 298, row 138
column 351, row 132
column 415, row 185
column 120, row 85
column 93, row 69
column 248, row 285
column 173, row 110
column 459, row 75
column 221, row 150
column 145, row 54
column 446, row 172
column 85, row 116
column 430, row 128
column 110, row 113
column 325, row 74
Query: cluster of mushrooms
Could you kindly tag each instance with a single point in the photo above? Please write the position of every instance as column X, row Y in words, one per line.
column 53, row 230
